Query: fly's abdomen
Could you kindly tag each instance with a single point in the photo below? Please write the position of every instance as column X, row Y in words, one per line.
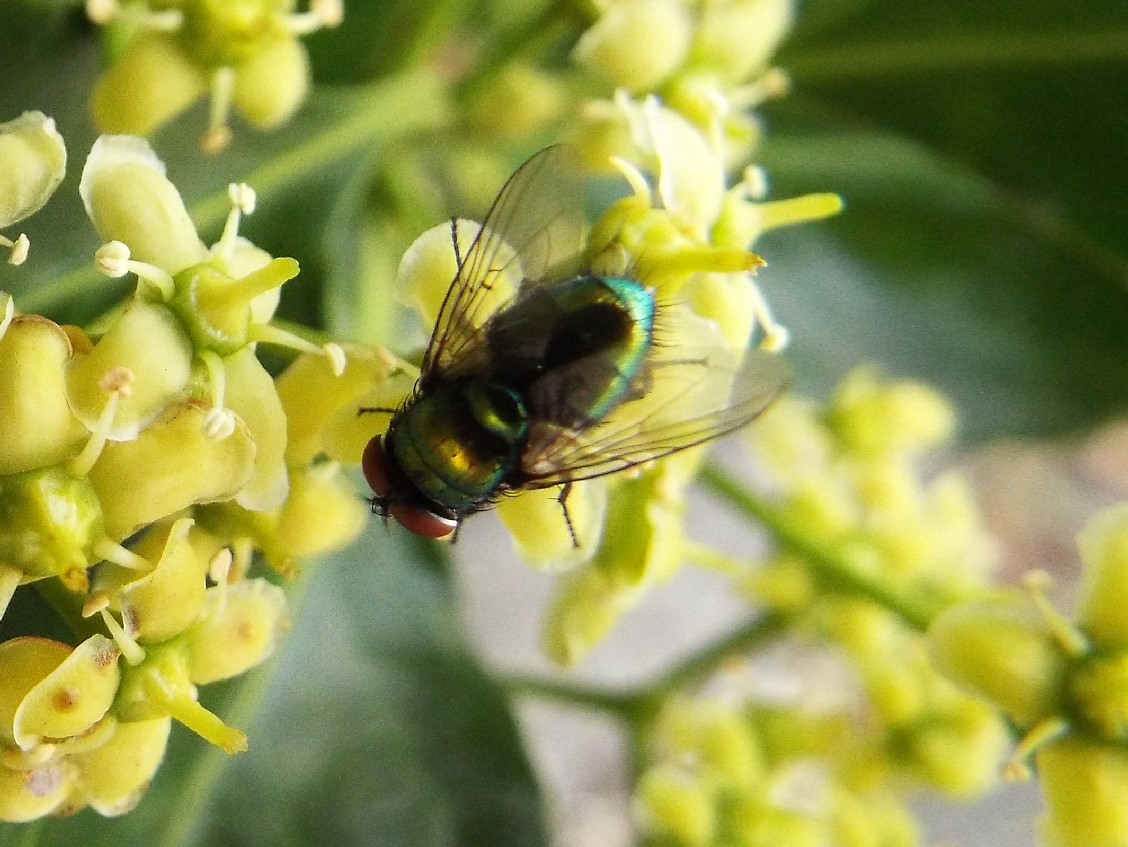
column 458, row 443
column 575, row 348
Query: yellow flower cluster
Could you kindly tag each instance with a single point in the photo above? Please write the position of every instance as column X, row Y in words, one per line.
column 145, row 463
column 245, row 54
column 722, row 774
column 849, row 483
column 1064, row 684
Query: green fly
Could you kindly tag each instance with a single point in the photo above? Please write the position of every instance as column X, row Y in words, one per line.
column 569, row 379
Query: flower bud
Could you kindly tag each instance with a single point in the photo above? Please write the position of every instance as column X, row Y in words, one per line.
column 271, row 85
column 542, row 534
column 874, row 418
column 171, row 465
column 322, row 513
column 49, row 522
column 148, row 341
column 252, row 396
column 239, row 627
column 636, row 43
column 152, row 81
column 1104, row 580
column 112, row 778
column 37, row 427
column 72, row 697
column 516, row 102
column 33, row 161
column 129, row 199
column 1084, row 784
column 716, row 737
column 673, row 803
column 1003, row 650
column 165, row 601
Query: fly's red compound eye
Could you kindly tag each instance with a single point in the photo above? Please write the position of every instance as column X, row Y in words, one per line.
column 423, row 522
column 374, row 464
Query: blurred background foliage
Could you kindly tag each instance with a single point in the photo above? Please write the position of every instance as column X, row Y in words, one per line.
column 979, row 148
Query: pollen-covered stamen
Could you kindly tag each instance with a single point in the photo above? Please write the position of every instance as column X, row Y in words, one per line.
column 270, row 334
column 131, row 651
column 113, row 260
column 322, row 14
column 218, row 134
column 19, row 249
column 243, row 200
column 116, row 383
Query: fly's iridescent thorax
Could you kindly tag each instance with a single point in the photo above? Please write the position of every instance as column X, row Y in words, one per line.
column 573, row 349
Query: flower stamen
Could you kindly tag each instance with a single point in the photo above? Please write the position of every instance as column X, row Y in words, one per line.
column 131, row 651
column 243, row 201
column 19, row 249
column 117, row 383
column 218, row 134
column 113, row 260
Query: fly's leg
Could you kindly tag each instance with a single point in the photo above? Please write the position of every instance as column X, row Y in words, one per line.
column 565, row 490
column 371, row 410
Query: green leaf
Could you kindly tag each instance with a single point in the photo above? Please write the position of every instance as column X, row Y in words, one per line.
column 374, row 725
column 984, row 245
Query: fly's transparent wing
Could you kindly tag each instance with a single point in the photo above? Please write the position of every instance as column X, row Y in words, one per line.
column 694, row 397
column 532, row 232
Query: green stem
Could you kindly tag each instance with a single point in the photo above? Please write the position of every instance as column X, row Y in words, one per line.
column 822, row 559
column 639, row 704
column 930, row 55
column 391, row 109
column 699, row 666
column 618, row 704
column 637, row 708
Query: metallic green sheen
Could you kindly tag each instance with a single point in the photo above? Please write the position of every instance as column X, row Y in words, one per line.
column 638, row 302
column 459, row 442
